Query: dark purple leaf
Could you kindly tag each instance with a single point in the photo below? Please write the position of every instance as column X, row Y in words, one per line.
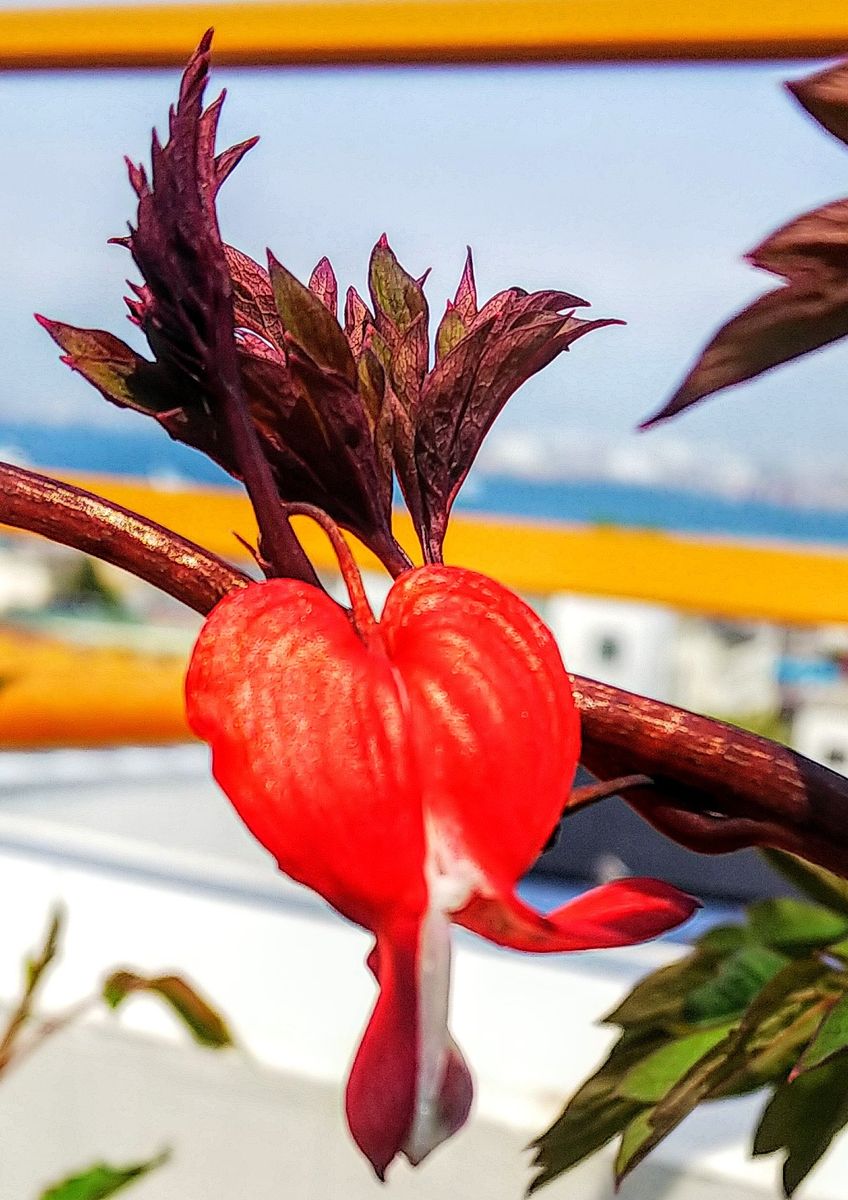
column 813, row 244
column 778, row 327
column 253, row 299
column 323, row 283
column 825, row 97
column 224, row 333
column 358, row 321
column 811, row 253
column 512, row 338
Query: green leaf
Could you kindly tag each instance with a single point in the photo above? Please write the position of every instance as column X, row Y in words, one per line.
column 102, row 1180
column 686, row 1094
column 830, row 1039
column 716, row 944
column 206, row 1025
column 633, row 1138
column 777, row 1049
column 736, row 982
column 659, row 999
column 594, row 1115
column 803, row 1117
column 711, row 1073
column 820, row 885
column 653, row 1077
column 794, row 925
column 451, row 331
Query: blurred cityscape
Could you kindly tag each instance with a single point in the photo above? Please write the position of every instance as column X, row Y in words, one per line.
column 59, row 609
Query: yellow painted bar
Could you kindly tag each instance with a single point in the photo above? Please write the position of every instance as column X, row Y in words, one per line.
column 382, row 31
column 713, row 576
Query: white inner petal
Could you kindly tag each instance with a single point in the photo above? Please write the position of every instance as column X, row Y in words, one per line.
column 428, row 1129
column 450, row 881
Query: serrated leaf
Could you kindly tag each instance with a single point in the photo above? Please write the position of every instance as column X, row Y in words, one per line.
column 654, row 1076
column 309, row 323
column 253, row 298
column 511, row 340
column 205, row 1024
column 803, row 1117
column 795, row 925
column 734, row 985
column 820, row 885
column 831, row 1037
column 102, row 1180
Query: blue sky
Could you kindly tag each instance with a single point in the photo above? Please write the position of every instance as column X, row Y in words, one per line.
column 637, row 187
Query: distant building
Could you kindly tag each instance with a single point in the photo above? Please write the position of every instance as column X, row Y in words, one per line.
column 627, row 645
column 727, row 669
column 820, row 731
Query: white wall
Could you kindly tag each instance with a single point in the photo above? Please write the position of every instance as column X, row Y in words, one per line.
column 627, row 645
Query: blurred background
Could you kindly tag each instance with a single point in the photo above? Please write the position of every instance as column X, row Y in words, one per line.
column 703, row 563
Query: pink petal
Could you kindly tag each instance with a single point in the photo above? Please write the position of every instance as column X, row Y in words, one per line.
column 617, row 914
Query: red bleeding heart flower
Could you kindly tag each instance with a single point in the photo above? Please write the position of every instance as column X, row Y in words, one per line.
column 410, row 771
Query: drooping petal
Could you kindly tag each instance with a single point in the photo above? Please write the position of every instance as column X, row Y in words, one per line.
column 621, row 913
column 409, row 1087
column 310, row 740
column 380, row 1098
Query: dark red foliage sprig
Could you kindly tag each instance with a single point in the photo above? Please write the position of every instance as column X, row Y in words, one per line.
column 332, row 412
column 810, row 257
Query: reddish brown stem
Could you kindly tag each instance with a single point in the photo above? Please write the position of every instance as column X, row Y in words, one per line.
column 89, row 523
column 715, row 788
column 278, row 542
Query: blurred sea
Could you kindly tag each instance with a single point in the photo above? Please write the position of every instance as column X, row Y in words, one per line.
column 148, row 452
